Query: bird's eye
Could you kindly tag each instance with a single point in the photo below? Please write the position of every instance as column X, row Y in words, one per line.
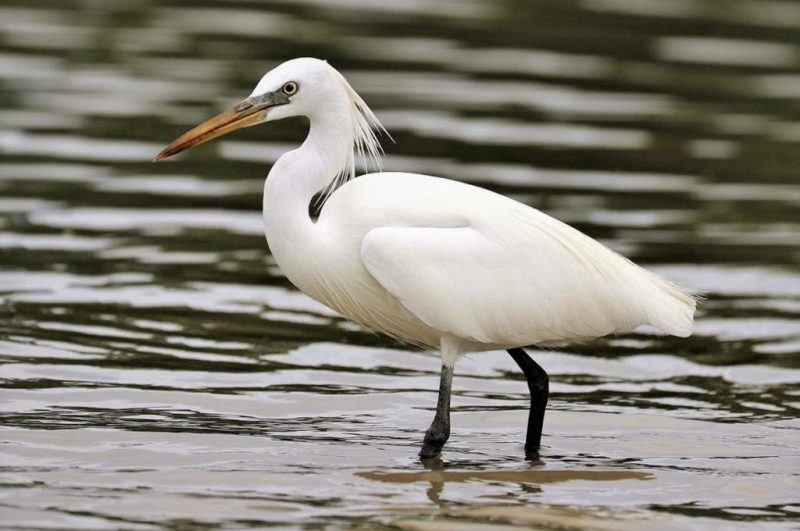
column 290, row 88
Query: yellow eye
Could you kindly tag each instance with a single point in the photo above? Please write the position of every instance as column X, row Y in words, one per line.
column 290, row 88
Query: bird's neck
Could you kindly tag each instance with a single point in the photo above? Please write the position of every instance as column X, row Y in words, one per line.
column 298, row 176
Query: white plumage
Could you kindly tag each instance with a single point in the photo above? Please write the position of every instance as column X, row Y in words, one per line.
column 427, row 260
column 419, row 257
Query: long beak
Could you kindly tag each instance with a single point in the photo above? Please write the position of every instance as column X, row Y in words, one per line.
column 249, row 112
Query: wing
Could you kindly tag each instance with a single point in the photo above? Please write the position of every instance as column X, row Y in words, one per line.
column 522, row 278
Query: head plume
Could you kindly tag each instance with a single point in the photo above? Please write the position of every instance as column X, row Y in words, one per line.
column 365, row 142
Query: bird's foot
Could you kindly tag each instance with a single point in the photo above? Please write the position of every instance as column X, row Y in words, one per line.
column 532, row 454
column 434, row 440
column 430, row 450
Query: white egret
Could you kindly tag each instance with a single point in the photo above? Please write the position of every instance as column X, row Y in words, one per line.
column 432, row 261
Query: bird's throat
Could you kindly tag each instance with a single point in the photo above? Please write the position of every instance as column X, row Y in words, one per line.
column 294, row 181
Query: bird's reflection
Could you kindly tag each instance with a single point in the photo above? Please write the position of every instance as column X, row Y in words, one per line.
column 438, row 477
column 437, row 480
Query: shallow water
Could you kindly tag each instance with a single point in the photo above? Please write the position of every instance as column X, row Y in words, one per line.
column 158, row 371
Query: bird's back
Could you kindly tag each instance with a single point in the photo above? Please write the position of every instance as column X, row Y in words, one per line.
column 489, row 270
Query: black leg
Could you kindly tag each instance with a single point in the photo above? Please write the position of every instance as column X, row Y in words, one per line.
column 439, row 431
column 539, row 386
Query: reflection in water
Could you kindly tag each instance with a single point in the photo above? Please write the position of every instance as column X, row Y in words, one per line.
column 159, row 371
column 531, row 480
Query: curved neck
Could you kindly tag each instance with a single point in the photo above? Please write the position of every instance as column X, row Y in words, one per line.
column 324, row 152
column 298, row 175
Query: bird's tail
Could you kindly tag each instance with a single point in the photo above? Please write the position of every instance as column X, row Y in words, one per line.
column 672, row 307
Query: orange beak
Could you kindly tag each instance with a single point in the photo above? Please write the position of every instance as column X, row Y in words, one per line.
column 249, row 112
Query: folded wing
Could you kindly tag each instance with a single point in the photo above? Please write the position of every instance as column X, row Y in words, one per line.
column 519, row 277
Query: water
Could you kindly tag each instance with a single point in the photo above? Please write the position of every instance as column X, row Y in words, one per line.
column 159, row 372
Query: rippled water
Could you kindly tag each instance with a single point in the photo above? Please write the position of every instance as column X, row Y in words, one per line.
column 158, row 371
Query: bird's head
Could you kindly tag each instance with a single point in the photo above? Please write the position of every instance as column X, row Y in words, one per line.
column 300, row 87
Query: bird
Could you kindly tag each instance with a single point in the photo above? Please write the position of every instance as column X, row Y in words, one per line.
column 430, row 261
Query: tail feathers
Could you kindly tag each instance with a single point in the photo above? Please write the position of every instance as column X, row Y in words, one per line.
column 672, row 311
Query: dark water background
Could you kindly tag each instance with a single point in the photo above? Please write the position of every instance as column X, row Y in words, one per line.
column 159, row 372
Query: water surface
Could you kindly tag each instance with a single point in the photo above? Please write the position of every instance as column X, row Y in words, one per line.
column 159, row 372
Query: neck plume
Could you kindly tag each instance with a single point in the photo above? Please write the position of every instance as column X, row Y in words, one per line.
column 341, row 128
column 357, row 125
